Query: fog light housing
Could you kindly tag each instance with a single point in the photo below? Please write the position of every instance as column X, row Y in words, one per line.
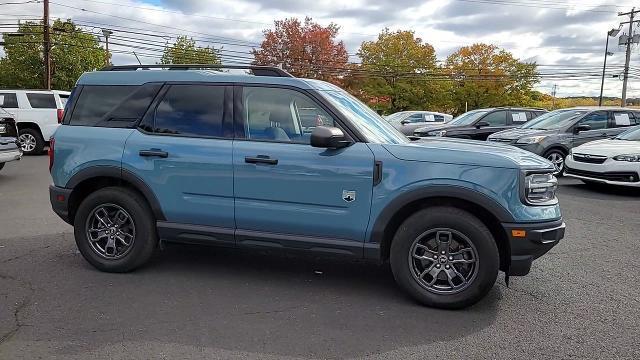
column 540, row 189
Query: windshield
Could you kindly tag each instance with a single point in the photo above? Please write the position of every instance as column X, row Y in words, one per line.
column 631, row 135
column 395, row 116
column 554, row 120
column 367, row 121
column 468, row 117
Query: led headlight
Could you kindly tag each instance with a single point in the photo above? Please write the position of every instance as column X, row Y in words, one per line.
column 437, row 133
column 540, row 188
column 531, row 139
column 3, row 128
column 627, row 157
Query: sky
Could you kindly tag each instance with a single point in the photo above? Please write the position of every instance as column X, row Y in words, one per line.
column 559, row 35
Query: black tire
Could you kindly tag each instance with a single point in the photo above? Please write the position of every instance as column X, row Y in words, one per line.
column 39, row 141
column 555, row 152
column 444, row 217
column 144, row 240
column 1, row 165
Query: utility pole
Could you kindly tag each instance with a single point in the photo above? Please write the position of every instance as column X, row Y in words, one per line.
column 629, row 41
column 46, row 46
column 553, row 93
column 106, row 33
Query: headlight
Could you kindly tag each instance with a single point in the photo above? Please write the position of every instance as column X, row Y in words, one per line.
column 3, row 128
column 531, row 139
column 437, row 133
column 627, row 157
column 540, row 189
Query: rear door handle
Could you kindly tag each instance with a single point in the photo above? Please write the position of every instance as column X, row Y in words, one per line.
column 154, row 153
column 260, row 159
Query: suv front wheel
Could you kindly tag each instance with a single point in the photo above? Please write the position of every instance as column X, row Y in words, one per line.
column 444, row 257
column 114, row 230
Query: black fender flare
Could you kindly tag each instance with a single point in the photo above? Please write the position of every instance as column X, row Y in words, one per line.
column 436, row 191
column 119, row 173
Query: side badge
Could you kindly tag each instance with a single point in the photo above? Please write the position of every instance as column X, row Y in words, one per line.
column 348, row 195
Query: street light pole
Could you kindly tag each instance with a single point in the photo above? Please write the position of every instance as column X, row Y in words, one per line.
column 610, row 33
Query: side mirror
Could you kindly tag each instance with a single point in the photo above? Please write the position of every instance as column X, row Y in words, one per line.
column 583, row 127
column 481, row 124
column 404, row 122
column 328, row 137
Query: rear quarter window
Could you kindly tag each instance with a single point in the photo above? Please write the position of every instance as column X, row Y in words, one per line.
column 112, row 106
column 41, row 101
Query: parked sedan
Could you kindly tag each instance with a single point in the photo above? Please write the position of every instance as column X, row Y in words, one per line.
column 408, row 121
column 479, row 124
column 552, row 135
column 611, row 161
column 9, row 146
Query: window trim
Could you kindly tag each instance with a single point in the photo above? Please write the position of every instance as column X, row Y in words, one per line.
column 238, row 112
column 227, row 117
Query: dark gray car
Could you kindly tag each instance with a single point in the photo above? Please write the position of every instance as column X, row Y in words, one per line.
column 552, row 135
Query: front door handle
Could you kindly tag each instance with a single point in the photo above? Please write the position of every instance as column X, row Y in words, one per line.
column 260, row 159
column 154, row 153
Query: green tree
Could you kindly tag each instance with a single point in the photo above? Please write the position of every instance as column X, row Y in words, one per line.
column 400, row 71
column 485, row 76
column 185, row 51
column 73, row 52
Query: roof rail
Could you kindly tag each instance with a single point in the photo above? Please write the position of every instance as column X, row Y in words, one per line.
column 257, row 70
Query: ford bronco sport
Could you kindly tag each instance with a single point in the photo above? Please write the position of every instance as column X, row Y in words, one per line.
column 200, row 154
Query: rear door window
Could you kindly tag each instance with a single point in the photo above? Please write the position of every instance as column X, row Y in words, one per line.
column 8, row 100
column 519, row 117
column 192, row 110
column 41, row 100
column 623, row 119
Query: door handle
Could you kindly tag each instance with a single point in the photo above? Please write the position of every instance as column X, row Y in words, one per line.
column 154, row 153
column 260, row 159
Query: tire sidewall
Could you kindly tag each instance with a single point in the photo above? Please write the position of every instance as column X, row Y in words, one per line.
column 487, row 264
column 145, row 238
column 39, row 141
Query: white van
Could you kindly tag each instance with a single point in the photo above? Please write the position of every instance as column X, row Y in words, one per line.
column 37, row 114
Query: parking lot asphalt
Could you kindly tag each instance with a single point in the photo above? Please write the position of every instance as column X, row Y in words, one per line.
column 581, row 300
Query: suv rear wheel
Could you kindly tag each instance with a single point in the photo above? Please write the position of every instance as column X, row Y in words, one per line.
column 444, row 257
column 114, row 230
column 31, row 141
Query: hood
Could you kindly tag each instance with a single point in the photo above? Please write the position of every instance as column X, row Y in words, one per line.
column 438, row 127
column 517, row 133
column 468, row 152
column 608, row 147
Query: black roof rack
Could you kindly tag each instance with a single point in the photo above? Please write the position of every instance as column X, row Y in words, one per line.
column 257, row 70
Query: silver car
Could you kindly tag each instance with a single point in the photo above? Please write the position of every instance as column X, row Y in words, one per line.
column 408, row 121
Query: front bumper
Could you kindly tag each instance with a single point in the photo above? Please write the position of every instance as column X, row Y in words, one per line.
column 59, row 198
column 529, row 241
column 620, row 173
column 10, row 153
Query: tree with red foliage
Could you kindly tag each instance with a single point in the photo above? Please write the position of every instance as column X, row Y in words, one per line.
column 304, row 49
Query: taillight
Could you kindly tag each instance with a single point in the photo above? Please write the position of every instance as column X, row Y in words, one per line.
column 52, row 145
column 60, row 115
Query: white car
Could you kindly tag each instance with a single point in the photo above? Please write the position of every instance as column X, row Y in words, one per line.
column 610, row 161
column 408, row 121
column 37, row 114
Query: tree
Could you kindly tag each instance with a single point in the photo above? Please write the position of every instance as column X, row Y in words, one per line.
column 185, row 51
column 400, row 73
column 304, row 49
column 73, row 52
column 485, row 75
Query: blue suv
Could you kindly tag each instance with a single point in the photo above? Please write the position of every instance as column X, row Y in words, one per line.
column 254, row 158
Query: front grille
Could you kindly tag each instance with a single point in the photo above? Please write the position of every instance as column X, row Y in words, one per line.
column 588, row 158
column 621, row 176
column 504, row 141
